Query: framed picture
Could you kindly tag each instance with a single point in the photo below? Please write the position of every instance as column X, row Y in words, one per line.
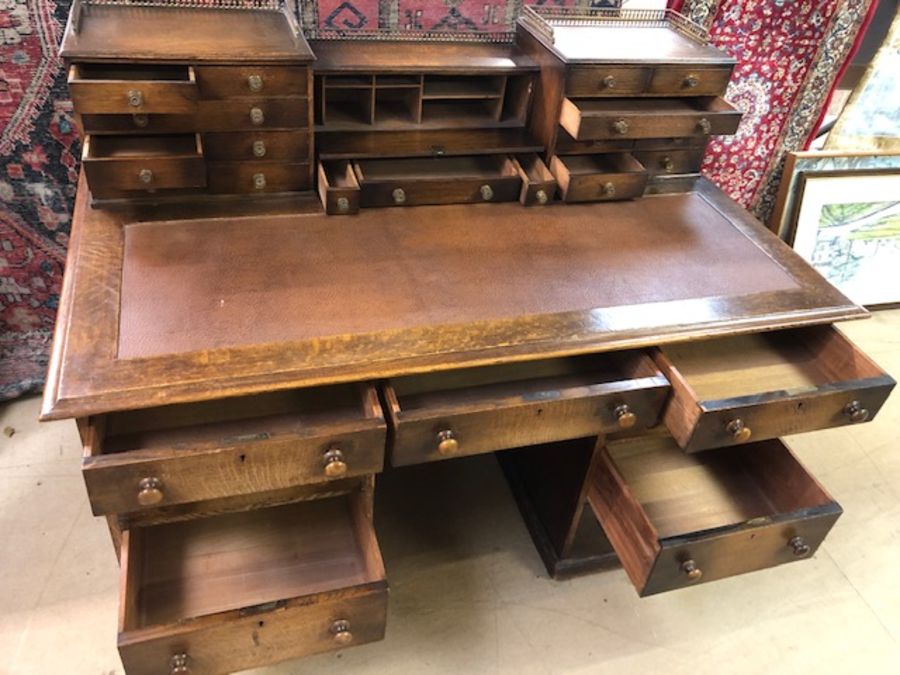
column 848, row 228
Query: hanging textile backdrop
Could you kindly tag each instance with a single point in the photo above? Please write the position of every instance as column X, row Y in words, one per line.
column 790, row 56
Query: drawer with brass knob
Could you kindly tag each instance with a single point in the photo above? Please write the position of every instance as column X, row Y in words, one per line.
column 729, row 391
column 257, row 177
column 131, row 88
column 672, row 80
column 671, row 161
column 338, row 187
column 243, row 590
column 250, row 114
column 538, row 182
column 223, row 82
column 117, row 164
column 195, row 452
column 623, row 118
column 603, row 177
column 607, row 80
column 290, row 146
column 676, row 520
column 476, row 410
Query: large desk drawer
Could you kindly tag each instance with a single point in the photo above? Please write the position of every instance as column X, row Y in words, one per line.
column 194, row 452
column 132, row 88
column 242, row 590
column 732, row 390
column 676, row 520
column 618, row 118
column 476, row 410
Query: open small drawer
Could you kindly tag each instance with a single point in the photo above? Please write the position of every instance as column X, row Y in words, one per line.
column 475, row 410
column 621, row 118
column 438, row 180
column 538, row 183
column 605, row 177
column 101, row 88
column 338, row 187
column 200, row 451
column 732, row 390
column 676, row 520
column 122, row 163
column 242, row 590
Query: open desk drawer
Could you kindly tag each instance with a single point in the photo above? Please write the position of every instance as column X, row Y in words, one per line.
column 338, row 187
column 675, row 520
column 116, row 88
column 538, row 183
column 604, row 177
column 241, row 590
column 620, row 118
column 195, row 452
column 476, row 410
column 439, row 180
column 732, row 390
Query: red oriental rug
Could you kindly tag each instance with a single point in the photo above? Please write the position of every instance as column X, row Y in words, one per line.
column 790, row 56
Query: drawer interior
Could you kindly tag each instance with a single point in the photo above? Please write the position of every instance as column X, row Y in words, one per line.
column 664, row 107
column 242, row 561
column 438, row 168
column 113, row 72
column 534, row 171
column 339, row 174
column 127, row 147
column 263, row 416
column 614, row 162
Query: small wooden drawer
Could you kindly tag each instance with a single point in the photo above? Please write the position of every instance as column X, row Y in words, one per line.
column 237, row 591
column 677, row 520
column 237, row 81
column 606, row 177
column 477, row 410
column 731, row 390
column 671, row 161
column 258, row 177
column 687, row 81
column 132, row 88
column 607, row 80
column 612, row 118
column 139, row 124
column 439, row 180
column 116, row 163
column 286, row 112
column 338, row 187
column 538, row 183
column 291, row 146
column 194, row 452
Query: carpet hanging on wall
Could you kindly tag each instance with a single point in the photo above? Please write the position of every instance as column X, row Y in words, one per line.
column 790, row 57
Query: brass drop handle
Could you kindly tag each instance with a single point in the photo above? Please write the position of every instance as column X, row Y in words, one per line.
column 141, row 120
column 340, row 630
column 608, row 190
column 145, row 176
column 399, row 196
column 541, row 196
column 691, row 570
column 257, row 116
column 343, row 204
column 135, row 98
column 255, row 82
column 691, row 81
column 625, row 418
column 150, row 491
column 620, row 127
column 178, row 664
column 704, row 125
column 739, row 431
column 799, row 546
column 487, row 193
column 259, row 181
column 259, row 148
column 609, row 82
column 446, row 443
column 334, row 462
column 666, row 163
column 855, row 411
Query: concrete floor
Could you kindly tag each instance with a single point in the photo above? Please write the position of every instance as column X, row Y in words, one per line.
column 468, row 591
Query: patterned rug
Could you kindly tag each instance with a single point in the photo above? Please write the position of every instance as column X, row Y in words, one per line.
column 790, row 56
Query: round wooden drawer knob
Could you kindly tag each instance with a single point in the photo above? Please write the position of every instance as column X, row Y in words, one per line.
column 624, row 417
column 178, row 665
column 621, row 127
column 667, row 164
column 855, row 411
column 799, row 546
column 135, row 98
column 259, row 181
column 149, row 491
column 487, row 193
column 259, row 149
column 691, row 82
column 399, row 196
column 541, row 196
column 255, row 82
column 704, row 126
column 257, row 116
column 609, row 82
column 340, row 629
column 691, row 571
column 740, row 432
column 334, row 462
column 447, row 443
column 145, row 176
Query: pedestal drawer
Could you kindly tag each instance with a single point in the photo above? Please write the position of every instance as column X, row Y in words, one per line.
column 338, row 187
column 291, row 146
column 243, row 590
column 736, row 389
column 612, row 118
column 677, row 520
column 686, row 80
column 476, row 410
column 538, row 182
column 222, row 82
column 607, row 80
column 258, row 177
column 132, row 88
column 604, row 177
column 194, row 452
column 671, row 161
